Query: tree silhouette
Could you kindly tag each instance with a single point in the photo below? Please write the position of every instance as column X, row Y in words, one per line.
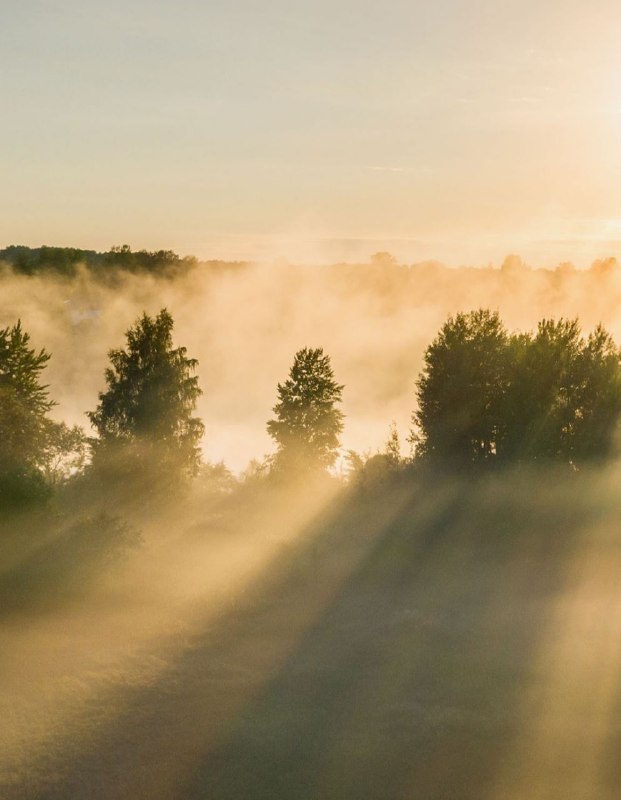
column 146, row 411
column 24, row 426
column 596, row 424
column 460, row 389
column 66, row 453
column 542, row 406
column 307, row 424
column 484, row 396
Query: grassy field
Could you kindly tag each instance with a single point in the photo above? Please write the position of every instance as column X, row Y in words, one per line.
column 433, row 639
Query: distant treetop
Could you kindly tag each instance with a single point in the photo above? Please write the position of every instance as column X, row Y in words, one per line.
column 65, row 261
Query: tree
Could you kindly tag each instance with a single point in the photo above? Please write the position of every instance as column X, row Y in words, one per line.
column 307, row 424
column 597, row 425
column 368, row 470
column 24, row 426
column 460, row 389
column 392, row 450
column 564, row 397
column 542, row 404
column 485, row 396
column 65, row 454
column 145, row 414
column 160, row 262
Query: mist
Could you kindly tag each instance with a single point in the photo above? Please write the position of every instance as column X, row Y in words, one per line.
column 244, row 322
column 401, row 631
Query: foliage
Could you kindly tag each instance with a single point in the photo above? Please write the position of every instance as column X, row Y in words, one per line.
column 542, row 404
column 392, row 450
column 146, row 411
column 62, row 261
column 256, row 471
column 487, row 396
column 461, row 387
column 307, row 423
column 24, row 426
column 65, row 454
column 65, row 261
column 215, row 479
column 600, row 397
column 159, row 262
column 367, row 470
column 564, row 398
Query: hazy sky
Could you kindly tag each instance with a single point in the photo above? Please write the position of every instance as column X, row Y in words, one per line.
column 239, row 127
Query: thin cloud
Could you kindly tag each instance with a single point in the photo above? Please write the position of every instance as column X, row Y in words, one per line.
column 527, row 99
column 381, row 168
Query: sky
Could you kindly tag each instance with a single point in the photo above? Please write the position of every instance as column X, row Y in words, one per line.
column 313, row 131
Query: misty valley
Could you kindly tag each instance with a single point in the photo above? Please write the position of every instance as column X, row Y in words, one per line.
column 279, row 531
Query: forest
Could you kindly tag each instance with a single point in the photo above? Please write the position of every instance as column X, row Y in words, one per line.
column 331, row 619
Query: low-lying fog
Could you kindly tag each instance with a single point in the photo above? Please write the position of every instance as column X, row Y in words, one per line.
column 417, row 635
column 244, row 325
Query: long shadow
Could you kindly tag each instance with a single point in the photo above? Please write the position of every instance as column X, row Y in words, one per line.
column 410, row 685
column 386, row 656
column 125, row 728
column 61, row 568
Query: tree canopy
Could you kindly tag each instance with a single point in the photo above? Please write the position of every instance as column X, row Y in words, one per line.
column 24, row 425
column 485, row 395
column 461, row 387
column 307, row 423
column 65, row 261
column 147, row 408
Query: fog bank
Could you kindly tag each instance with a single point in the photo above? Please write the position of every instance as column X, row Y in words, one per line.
column 244, row 323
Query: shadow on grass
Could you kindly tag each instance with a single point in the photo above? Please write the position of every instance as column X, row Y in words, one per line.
column 386, row 655
column 63, row 565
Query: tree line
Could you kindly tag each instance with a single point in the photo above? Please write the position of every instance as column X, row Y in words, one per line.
column 146, row 430
column 485, row 397
column 67, row 262
column 382, row 267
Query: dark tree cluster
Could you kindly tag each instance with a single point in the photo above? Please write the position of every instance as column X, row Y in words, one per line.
column 489, row 396
column 157, row 262
column 56, row 260
column 146, row 430
column 65, row 261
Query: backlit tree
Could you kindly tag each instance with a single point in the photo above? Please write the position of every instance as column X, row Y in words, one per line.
column 307, row 422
